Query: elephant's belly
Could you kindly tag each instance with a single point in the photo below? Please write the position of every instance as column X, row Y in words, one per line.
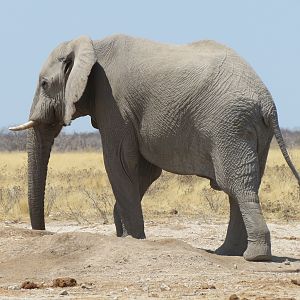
column 185, row 157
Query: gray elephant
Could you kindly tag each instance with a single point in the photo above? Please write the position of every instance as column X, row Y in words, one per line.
column 194, row 109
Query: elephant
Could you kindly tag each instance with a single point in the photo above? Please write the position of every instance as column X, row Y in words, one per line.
column 191, row 109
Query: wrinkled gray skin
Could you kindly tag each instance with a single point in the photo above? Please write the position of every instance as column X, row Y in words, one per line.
column 192, row 109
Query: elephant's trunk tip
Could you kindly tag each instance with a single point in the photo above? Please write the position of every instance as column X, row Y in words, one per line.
column 24, row 126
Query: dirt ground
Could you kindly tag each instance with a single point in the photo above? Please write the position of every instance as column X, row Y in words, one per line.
column 174, row 262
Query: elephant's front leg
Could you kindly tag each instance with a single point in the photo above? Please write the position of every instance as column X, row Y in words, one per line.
column 146, row 175
column 128, row 211
column 120, row 227
column 132, row 222
column 123, row 173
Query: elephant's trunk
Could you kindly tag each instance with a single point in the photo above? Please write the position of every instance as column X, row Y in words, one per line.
column 39, row 145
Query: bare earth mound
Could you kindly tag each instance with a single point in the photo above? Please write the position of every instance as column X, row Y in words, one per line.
column 172, row 263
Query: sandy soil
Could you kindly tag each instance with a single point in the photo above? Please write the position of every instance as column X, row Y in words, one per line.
column 173, row 263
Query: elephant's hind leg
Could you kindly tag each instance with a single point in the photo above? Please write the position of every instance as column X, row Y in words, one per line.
column 259, row 241
column 235, row 242
column 239, row 176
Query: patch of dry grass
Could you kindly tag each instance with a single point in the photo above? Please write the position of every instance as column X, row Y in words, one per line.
column 78, row 189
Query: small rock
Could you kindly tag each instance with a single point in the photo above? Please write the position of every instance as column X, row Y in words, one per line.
column 13, row 287
column 296, row 281
column 287, row 262
column 235, row 266
column 234, row 297
column 28, row 285
column 86, row 286
column 206, row 286
column 64, row 293
column 174, row 211
column 154, row 295
column 218, row 266
column 145, row 288
column 64, row 282
column 164, row 287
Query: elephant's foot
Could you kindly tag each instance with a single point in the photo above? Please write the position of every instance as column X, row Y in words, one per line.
column 231, row 249
column 138, row 235
column 258, row 252
column 125, row 233
column 121, row 229
column 235, row 242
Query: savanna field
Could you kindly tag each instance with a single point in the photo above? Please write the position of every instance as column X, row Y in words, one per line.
column 185, row 221
column 78, row 189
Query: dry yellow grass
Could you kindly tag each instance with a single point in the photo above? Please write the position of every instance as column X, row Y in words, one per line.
column 78, row 189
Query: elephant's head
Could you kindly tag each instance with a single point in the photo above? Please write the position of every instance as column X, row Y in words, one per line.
column 61, row 84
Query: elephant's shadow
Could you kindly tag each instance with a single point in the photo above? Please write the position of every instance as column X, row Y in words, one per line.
column 282, row 259
column 274, row 259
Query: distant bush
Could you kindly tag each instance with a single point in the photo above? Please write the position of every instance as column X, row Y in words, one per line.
column 291, row 137
column 90, row 141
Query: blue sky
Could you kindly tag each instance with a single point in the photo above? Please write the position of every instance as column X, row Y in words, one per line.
column 265, row 32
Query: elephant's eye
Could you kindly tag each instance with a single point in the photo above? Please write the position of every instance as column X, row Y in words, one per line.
column 44, row 83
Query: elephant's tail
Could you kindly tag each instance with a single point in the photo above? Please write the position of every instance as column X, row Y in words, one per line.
column 273, row 121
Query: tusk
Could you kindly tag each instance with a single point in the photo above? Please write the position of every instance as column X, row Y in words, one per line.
column 24, row 126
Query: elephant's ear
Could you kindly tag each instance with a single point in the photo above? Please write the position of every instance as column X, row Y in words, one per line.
column 82, row 52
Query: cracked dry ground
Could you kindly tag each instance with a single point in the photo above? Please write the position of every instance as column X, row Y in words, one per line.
column 172, row 263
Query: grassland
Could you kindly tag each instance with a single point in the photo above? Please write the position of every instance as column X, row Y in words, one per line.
column 78, row 189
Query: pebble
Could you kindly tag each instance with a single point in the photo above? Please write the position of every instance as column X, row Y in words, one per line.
column 145, row 288
column 164, row 287
column 206, row 286
column 154, row 295
column 13, row 287
column 85, row 286
column 295, row 281
column 64, row 293
column 235, row 266
column 287, row 262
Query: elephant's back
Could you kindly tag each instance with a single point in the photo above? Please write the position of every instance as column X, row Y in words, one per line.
column 132, row 60
column 211, row 47
column 135, row 51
